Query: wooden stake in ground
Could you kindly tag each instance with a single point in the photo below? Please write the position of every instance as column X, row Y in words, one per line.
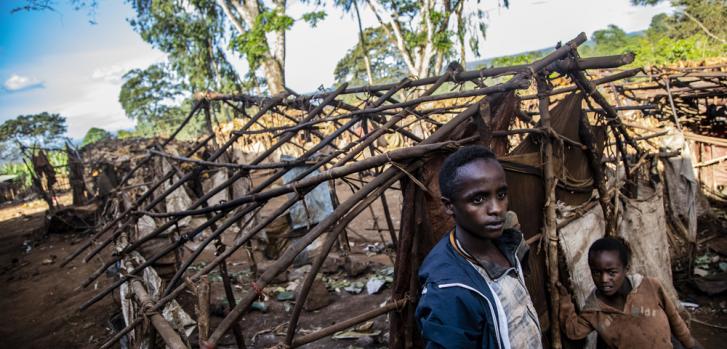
column 550, row 225
column 203, row 310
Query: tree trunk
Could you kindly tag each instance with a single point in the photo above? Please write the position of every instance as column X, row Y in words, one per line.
column 364, row 48
column 274, row 75
column 274, row 63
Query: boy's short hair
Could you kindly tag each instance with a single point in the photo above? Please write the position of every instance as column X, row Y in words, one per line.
column 611, row 244
column 461, row 157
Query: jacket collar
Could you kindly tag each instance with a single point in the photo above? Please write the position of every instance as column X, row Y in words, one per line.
column 510, row 244
column 593, row 304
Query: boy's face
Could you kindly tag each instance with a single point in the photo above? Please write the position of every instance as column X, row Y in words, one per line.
column 480, row 200
column 607, row 271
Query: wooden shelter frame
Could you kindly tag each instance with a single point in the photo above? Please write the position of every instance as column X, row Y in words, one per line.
column 380, row 110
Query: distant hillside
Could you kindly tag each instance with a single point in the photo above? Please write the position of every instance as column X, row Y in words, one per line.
column 527, row 56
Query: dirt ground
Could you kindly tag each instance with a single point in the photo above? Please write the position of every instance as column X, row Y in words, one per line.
column 39, row 300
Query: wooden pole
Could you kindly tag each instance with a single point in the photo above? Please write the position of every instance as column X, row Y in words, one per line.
column 348, row 323
column 550, row 228
column 599, row 179
column 165, row 330
column 203, row 310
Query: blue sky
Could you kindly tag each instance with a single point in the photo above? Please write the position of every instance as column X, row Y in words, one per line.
column 58, row 62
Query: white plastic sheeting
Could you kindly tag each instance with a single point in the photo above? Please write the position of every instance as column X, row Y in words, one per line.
column 172, row 312
column 317, row 202
column 178, row 200
column 681, row 184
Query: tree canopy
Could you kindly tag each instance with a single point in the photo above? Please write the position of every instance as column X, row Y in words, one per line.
column 198, row 34
column 386, row 63
column 694, row 31
column 94, row 135
column 150, row 93
column 192, row 34
column 412, row 38
column 43, row 129
column 427, row 33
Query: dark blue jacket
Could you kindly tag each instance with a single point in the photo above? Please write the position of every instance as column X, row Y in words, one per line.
column 457, row 308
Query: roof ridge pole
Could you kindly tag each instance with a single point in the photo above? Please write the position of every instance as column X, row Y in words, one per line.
column 606, row 79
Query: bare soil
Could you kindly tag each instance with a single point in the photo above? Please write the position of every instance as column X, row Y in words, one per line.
column 39, row 300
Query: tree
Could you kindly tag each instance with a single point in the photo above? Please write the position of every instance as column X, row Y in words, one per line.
column 610, row 39
column 157, row 100
column 149, row 93
column 386, row 63
column 195, row 33
column 51, row 5
column 669, row 38
column 39, row 130
column 260, row 34
column 694, row 16
column 94, row 135
column 192, row 34
column 253, row 21
column 422, row 30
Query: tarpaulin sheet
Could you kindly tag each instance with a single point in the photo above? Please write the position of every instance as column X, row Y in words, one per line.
column 178, row 200
column 317, row 201
column 681, row 184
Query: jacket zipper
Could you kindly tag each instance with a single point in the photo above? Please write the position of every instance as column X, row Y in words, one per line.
column 495, row 317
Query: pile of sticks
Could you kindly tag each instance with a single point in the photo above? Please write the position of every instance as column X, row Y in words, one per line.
column 361, row 116
column 692, row 97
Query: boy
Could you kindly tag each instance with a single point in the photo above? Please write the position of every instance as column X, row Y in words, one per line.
column 627, row 311
column 474, row 294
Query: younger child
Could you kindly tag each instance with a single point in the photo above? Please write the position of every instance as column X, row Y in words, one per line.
column 627, row 311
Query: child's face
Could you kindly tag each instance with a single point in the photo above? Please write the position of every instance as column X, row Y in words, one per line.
column 607, row 271
column 480, row 201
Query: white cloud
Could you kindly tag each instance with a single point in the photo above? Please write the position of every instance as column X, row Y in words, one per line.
column 94, row 105
column 18, row 82
column 112, row 74
column 85, row 90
